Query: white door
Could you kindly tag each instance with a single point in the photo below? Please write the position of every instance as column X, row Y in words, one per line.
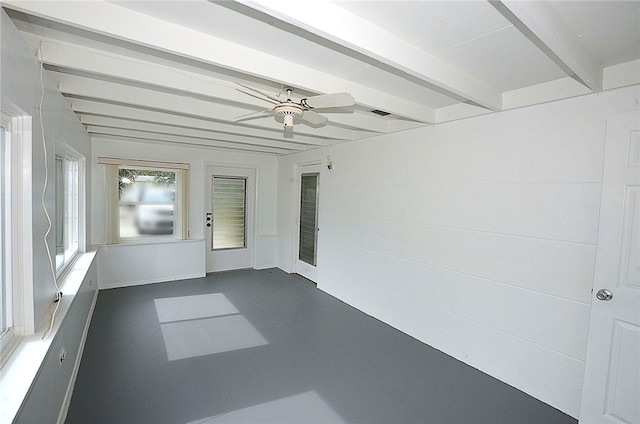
column 611, row 391
column 229, row 218
column 307, row 222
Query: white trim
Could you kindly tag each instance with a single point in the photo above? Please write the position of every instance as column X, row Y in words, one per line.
column 181, row 202
column 300, row 267
column 159, row 240
column 7, row 340
column 111, row 193
column 19, row 125
column 23, row 214
column 76, row 366
column 149, row 281
column 78, row 183
column 66, row 151
column 295, row 207
column 141, row 163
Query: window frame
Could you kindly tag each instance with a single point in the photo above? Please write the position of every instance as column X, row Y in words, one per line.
column 18, row 125
column 181, row 211
column 6, row 290
column 73, row 199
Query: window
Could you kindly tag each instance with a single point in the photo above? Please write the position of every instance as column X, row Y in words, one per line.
column 229, row 212
column 15, row 195
column 147, row 200
column 67, row 225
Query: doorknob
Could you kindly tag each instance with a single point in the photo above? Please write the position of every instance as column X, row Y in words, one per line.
column 209, row 218
column 604, row 294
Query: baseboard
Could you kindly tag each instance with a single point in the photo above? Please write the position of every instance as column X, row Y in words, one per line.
column 119, row 284
column 76, row 366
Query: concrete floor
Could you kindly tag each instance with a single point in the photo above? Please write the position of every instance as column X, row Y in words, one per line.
column 267, row 347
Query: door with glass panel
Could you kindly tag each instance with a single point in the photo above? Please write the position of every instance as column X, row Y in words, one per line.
column 229, row 218
column 307, row 222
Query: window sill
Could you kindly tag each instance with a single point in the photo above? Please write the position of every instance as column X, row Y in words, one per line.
column 21, row 369
column 159, row 240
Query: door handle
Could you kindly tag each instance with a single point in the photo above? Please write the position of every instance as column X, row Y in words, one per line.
column 604, row 294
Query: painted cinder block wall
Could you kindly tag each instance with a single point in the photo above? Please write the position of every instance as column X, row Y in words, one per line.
column 477, row 237
column 50, row 392
column 23, row 86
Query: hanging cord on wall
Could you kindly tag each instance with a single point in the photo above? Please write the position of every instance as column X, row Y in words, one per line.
column 57, row 300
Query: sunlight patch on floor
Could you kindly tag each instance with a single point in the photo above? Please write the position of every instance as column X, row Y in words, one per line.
column 192, row 307
column 206, row 324
column 306, row 407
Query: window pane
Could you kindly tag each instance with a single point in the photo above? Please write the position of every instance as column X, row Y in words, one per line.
column 229, row 212
column 146, row 202
column 67, row 210
column 61, row 210
column 308, row 218
column 5, row 239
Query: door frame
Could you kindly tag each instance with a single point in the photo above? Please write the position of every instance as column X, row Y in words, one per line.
column 310, row 167
column 251, row 207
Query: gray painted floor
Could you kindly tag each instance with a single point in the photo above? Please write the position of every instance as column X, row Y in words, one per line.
column 266, row 347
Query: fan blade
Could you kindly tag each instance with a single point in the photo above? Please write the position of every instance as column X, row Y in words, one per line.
column 253, row 115
column 258, row 97
column 329, row 100
column 267, row 95
column 313, row 117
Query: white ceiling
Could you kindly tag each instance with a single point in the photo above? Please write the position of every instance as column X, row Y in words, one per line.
column 166, row 71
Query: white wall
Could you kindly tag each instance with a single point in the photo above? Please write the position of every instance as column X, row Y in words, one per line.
column 50, row 393
column 122, row 265
column 21, row 86
column 477, row 237
column 198, row 159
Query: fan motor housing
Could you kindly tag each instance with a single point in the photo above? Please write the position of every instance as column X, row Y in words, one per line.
column 288, row 111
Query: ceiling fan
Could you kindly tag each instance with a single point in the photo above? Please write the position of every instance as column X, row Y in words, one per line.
column 303, row 109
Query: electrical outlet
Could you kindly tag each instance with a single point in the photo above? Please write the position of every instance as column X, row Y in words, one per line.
column 63, row 355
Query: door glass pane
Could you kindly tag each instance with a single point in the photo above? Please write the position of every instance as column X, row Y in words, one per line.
column 229, row 212
column 308, row 218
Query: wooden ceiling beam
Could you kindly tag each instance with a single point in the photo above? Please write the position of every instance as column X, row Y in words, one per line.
column 78, row 86
column 125, row 124
column 542, row 25
column 94, row 107
column 329, row 21
column 112, row 20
